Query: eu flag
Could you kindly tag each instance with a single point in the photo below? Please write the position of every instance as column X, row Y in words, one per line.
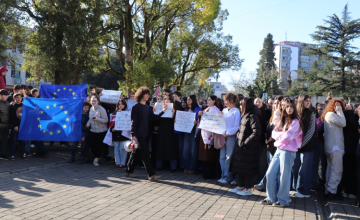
column 64, row 91
column 51, row 119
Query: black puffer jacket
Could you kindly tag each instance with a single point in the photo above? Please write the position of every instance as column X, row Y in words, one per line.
column 351, row 134
column 246, row 153
column 311, row 145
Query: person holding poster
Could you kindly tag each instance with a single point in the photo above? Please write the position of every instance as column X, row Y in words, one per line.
column 166, row 144
column 207, row 153
column 119, row 141
column 232, row 120
column 190, row 150
column 246, row 154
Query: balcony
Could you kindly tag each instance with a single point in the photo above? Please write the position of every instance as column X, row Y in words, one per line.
column 286, row 52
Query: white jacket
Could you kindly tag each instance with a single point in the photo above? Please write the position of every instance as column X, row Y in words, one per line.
column 333, row 130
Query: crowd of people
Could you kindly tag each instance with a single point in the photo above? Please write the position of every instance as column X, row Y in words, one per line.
column 283, row 146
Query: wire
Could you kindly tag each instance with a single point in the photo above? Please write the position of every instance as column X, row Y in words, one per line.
column 261, row 9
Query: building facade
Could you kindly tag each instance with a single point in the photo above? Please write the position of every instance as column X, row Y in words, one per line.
column 218, row 89
column 290, row 57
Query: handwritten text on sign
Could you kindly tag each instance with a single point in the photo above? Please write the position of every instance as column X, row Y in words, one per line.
column 168, row 112
column 213, row 122
column 110, row 96
column 184, row 121
column 158, row 108
column 123, row 121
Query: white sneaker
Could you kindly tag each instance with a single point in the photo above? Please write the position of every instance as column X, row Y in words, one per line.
column 222, row 181
column 351, row 196
column 96, row 162
column 234, row 183
column 237, row 189
column 292, row 193
column 245, row 192
column 299, row 195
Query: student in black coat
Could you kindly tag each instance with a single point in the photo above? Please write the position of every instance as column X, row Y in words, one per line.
column 246, row 154
column 348, row 183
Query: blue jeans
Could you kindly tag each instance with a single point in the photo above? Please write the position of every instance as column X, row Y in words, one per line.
column 278, row 177
column 13, row 140
column 181, row 150
column 190, row 151
column 74, row 148
column 302, row 172
column 225, row 157
column 119, row 152
column 27, row 146
column 173, row 164
column 319, row 155
column 263, row 181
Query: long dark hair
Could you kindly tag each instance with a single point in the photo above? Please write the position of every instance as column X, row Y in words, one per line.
column 248, row 104
column 300, row 105
column 194, row 103
column 217, row 103
column 117, row 105
column 285, row 119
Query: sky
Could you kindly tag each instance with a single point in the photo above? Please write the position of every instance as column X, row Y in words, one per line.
column 250, row 21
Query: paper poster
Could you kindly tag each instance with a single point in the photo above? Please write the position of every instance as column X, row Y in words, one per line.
column 213, row 122
column 184, row 121
column 168, row 112
column 123, row 121
column 108, row 138
column 158, row 108
column 110, row 96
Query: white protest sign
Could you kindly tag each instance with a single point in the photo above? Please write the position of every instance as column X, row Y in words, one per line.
column 213, row 122
column 110, row 96
column 158, row 108
column 184, row 121
column 168, row 112
column 123, row 121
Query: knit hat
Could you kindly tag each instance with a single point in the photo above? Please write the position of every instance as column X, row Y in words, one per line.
column 3, row 69
column 4, row 92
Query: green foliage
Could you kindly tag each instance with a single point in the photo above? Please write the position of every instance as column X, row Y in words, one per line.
column 267, row 54
column 339, row 59
column 64, row 41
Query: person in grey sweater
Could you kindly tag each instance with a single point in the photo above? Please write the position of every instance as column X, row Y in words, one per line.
column 98, row 120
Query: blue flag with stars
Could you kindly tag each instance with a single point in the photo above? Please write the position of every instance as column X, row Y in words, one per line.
column 51, row 119
column 64, row 91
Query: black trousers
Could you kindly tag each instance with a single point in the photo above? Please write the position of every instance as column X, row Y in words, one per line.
column 95, row 141
column 143, row 153
column 4, row 136
column 348, row 183
column 245, row 181
column 358, row 176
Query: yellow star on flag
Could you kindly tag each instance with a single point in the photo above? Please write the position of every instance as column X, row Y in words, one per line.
column 51, row 133
column 58, row 90
column 38, row 119
column 64, row 88
column 74, row 97
column 44, row 131
column 67, row 119
column 61, row 107
column 54, row 93
column 65, row 112
column 47, row 107
column 64, row 126
column 70, row 90
column 54, row 105
column 59, row 131
column 53, row 97
column 41, row 112
column 39, row 126
column 73, row 93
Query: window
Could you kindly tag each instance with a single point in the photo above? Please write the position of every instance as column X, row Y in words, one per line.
column 15, row 70
column 305, row 58
column 304, row 64
column 217, row 87
column 284, row 64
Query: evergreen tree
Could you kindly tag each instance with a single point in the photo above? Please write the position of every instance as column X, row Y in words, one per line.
column 338, row 57
column 267, row 54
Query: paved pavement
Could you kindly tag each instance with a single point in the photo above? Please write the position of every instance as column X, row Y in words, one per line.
column 55, row 189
